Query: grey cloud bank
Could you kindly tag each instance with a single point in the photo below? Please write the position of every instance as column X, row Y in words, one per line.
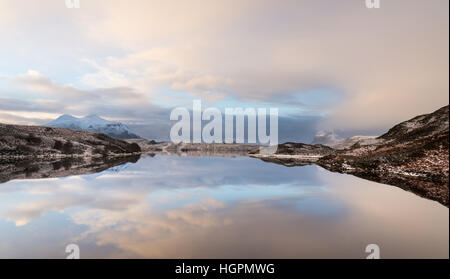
column 380, row 65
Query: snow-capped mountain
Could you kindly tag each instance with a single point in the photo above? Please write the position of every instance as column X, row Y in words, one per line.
column 94, row 123
column 333, row 140
column 327, row 138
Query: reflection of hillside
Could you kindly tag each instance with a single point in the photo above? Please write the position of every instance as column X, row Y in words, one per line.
column 34, row 169
column 197, row 149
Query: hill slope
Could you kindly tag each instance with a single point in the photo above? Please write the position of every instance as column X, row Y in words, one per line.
column 413, row 155
column 18, row 142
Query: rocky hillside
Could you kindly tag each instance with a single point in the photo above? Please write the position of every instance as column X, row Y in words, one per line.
column 413, row 155
column 293, row 154
column 423, row 126
column 19, row 142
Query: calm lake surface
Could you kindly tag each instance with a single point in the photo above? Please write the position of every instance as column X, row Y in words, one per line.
column 209, row 207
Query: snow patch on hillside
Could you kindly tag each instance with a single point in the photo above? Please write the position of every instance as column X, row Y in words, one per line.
column 333, row 140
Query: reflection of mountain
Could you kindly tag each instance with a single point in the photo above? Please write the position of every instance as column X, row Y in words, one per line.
column 34, row 169
column 181, row 207
column 94, row 123
column 412, row 155
column 119, row 168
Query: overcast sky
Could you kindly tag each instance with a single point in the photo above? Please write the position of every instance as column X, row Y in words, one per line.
column 326, row 64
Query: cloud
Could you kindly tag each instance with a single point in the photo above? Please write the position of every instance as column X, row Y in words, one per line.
column 125, row 104
column 153, row 69
column 132, row 212
column 36, row 82
column 11, row 104
column 47, row 96
column 383, row 66
column 165, row 207
column 264, row 51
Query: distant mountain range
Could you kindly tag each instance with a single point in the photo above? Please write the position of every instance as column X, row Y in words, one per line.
column 327, row 138
column 332, row 140
column 94, row 123
column 413, row 155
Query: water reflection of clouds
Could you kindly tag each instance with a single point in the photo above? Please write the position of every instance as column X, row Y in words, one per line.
column 205, row 207
column 180, row 180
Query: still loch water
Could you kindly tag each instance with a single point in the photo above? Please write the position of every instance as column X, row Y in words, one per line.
column 211, row 207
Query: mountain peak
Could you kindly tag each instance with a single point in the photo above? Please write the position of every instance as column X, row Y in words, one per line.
column 66, row 117
column 94, row 122
column 326, row 138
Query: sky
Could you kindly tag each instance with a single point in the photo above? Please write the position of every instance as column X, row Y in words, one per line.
column 327, row 65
